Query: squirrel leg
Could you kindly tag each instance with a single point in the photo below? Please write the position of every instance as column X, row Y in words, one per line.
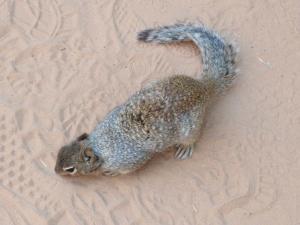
column 183, row 151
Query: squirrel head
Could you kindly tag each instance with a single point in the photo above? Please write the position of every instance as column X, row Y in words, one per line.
column 76, row 158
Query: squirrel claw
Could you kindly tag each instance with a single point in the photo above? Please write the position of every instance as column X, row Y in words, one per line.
column 110, row 173
column 183, row 151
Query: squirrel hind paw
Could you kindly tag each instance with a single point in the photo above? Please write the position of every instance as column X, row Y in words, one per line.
column 183, row 151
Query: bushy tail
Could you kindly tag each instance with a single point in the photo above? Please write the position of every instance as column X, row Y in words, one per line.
column 218, row 56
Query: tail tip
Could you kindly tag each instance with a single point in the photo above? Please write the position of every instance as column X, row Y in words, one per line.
column 144, row 35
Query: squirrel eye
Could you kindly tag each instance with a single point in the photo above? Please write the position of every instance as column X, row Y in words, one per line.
column 71, row 169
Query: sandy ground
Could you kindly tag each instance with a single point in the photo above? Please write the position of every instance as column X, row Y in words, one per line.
column 65, row 63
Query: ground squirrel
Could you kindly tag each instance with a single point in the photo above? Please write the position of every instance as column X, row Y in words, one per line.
column 166, row 113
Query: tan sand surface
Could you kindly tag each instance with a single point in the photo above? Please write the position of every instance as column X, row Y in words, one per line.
column 65, row 63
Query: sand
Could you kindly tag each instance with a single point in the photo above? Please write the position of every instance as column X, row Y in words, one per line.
column 64, row 64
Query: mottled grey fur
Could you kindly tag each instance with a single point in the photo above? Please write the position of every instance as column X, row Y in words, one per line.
column 218, row 55
column 166, row 113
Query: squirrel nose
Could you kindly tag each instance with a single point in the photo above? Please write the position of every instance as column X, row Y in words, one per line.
column 57, row 169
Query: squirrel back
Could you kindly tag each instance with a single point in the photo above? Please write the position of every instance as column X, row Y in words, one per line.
column 218, row 55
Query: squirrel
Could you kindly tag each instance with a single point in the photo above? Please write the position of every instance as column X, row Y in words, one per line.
column 166, row 113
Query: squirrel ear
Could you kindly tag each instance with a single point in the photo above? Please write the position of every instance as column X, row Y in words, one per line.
column 88, row 152
column 82, row 137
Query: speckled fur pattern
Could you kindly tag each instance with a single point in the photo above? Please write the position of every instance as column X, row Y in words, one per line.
column 168, row 112
column 218, row 55
column 162, row 115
